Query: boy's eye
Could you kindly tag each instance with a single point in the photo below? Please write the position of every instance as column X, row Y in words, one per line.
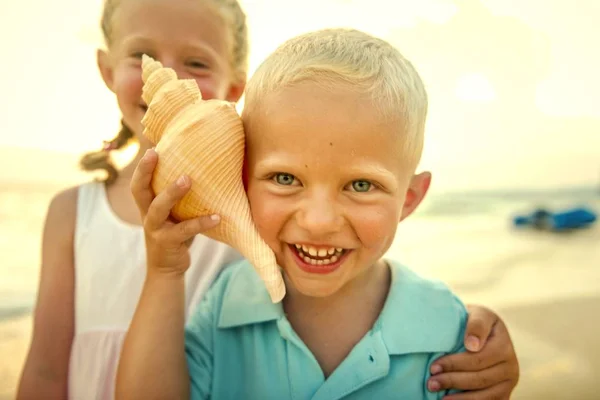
column 284, row 179
column 139, row 54
column 361, row 186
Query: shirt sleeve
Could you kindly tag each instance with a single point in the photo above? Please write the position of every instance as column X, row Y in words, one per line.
column 199, row 342
column 459, row 348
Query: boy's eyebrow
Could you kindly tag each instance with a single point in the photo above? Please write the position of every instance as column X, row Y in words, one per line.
column 373, row 171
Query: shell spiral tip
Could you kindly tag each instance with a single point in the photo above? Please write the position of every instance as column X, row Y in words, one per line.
column 149, row 65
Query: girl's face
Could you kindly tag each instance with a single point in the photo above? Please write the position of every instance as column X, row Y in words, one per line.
column 185, row 35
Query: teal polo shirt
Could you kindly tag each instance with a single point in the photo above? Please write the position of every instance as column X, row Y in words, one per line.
column 239, row 345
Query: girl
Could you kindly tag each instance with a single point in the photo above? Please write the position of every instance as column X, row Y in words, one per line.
column 93, row 261
column 93, row 251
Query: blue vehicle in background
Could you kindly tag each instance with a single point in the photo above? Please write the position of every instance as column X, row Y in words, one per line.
column 559, row 221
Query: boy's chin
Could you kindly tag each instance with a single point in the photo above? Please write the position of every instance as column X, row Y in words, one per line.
column 312, row 287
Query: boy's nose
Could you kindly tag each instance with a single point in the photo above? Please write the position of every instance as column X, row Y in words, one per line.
column 319, row 216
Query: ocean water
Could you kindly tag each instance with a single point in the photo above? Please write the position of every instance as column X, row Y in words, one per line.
column 469, row 231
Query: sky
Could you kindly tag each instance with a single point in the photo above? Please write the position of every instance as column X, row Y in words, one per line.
column 513, row 85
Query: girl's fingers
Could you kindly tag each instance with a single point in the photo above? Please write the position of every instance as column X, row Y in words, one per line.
column 471, row 380
column 498, row 348
column 140, row 181
column 184, row 231
column 160, row 208
column 502, row 391
column 480, row 323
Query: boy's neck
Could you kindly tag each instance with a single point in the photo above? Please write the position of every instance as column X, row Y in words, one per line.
column 367, row 290
column 330, row 327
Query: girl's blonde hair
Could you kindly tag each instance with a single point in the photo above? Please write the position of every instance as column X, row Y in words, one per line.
column 333, row 57
column 234, row 17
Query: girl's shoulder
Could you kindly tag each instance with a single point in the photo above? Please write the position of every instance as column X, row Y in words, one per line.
column 65, row 205
column 65, row 202
column 59, row 225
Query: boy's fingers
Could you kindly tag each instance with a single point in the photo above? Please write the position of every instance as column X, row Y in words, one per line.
column 184, row 231
column 469, row 380
column 501, row 391
column 161, row 206
column 480, row 323
column 140, row 181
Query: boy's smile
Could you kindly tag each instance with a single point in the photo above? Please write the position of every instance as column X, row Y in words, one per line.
column 318, row 259
column 327, row 183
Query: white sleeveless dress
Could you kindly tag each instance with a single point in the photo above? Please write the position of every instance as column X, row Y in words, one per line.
column 110, row 267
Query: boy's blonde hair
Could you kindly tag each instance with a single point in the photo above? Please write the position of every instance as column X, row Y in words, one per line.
column 358, row 60
column 235, row 19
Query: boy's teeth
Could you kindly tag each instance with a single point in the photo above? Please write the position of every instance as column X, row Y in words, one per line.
column 308, row 252
column 314, row 252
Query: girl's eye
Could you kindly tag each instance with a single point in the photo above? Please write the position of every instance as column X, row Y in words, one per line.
column 284, row 179
column 139, row 54
column 197, row 64
column 362, row 186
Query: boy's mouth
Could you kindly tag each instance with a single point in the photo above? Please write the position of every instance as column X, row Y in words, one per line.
column 318, row 256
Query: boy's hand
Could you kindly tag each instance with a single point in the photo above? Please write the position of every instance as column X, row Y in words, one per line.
column 488, row 370
column 167, row 242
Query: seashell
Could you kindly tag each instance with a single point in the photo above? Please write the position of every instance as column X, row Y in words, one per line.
column 205, row 140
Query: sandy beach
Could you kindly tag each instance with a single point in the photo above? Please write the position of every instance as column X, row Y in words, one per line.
column 546, row 287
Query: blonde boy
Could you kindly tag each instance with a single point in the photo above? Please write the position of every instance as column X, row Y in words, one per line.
column 335, row 122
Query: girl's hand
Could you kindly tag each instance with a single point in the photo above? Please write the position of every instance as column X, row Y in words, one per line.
column 489, row 369
column 167, row 241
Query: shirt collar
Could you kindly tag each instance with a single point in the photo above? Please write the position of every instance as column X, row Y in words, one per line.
column 415, row 314
column 246, row 300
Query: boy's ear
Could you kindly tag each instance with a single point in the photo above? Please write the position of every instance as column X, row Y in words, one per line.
column 105, row 67
column 419, row 185
column 236, row 90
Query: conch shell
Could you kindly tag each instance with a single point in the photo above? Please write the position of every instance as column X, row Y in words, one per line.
column 205, row 140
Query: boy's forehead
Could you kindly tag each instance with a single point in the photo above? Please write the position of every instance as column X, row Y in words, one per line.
column 313, row 108
column 313, row 96
column 311, row 119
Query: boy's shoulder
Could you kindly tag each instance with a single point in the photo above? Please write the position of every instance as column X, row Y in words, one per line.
column 420, row 314
column 410, row 280
column 238, row 297
column 241, row 275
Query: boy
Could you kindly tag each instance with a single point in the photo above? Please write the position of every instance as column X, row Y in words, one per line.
column 334, row 125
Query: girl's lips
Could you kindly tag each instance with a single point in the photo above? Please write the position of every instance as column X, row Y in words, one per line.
column 317, row 269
